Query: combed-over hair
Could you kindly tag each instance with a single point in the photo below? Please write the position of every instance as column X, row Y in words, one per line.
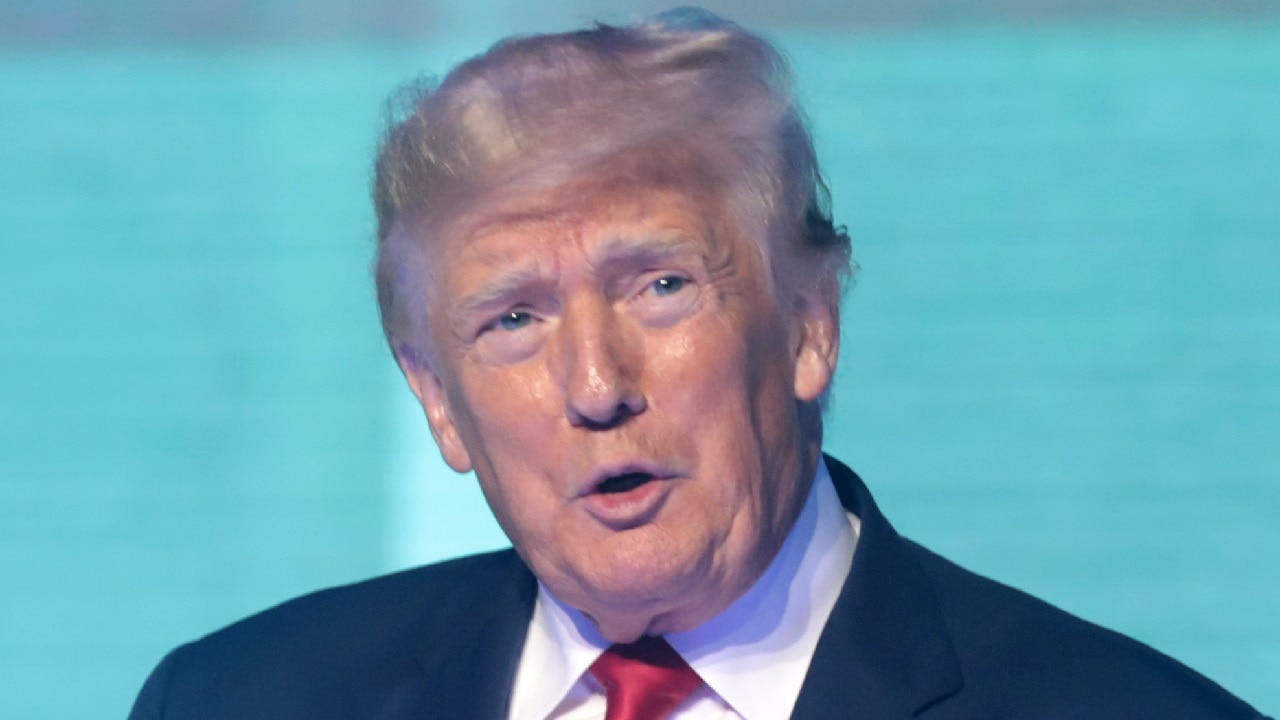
column 683, row 100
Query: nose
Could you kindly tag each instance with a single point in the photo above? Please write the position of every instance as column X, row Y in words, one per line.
column 600, row 360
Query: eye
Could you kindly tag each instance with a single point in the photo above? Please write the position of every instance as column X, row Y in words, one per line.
column 665, row 299
column 668, row 285
column 512, row 320
column 511, row 337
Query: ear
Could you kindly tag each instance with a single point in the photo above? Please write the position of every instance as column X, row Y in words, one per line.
column 429, row 390
column 815, row 337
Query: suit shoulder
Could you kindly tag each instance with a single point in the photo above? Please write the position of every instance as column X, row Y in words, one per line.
column 1029, row 653
column 398, row 599
column 321, row 654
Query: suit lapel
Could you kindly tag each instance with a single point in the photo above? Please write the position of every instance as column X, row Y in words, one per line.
column 469, row 666
column 885, row 652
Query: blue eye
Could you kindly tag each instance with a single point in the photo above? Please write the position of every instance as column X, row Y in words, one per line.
column 668, row 285
column 513, row 320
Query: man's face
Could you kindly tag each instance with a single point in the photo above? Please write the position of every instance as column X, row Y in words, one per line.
column 628, row 392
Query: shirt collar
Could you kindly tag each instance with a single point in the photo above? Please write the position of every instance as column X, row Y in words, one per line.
column 754, row 655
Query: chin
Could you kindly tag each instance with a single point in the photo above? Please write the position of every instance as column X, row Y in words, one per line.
column 648, row 585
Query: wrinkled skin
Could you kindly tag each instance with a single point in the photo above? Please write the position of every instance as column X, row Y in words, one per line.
column 639, row 337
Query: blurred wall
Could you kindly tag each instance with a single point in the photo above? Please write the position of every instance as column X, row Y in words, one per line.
column 43, row 23
column 1061, row 362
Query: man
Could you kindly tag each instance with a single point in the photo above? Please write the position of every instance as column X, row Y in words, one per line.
column 607, row 270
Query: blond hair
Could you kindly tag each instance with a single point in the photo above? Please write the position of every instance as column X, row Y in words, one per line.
column 683, row 99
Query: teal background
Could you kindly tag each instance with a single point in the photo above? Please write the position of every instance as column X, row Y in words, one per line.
column 1061, row 362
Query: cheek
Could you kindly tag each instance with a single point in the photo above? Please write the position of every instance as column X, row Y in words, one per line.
column 728, row 384
column 494, row 397
column 701, row 388
column 510, row 458
column 702, row 358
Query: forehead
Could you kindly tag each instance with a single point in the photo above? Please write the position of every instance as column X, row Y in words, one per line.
column 531, row 234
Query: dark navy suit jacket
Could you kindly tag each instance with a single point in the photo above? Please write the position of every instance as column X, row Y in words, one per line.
column 912, row 635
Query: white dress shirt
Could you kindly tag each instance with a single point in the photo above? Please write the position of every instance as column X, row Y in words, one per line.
column 752, row 657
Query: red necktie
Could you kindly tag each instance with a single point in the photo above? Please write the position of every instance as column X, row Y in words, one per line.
column 644, row 680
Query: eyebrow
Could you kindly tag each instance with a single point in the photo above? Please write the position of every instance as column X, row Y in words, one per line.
column 615, row 254
column 498, row 290
column 624, row 251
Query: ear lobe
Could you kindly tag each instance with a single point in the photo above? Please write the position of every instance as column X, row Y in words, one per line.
column 816, row 346
column 426, row 386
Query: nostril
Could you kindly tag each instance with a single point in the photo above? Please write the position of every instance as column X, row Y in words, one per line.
column 621, row 412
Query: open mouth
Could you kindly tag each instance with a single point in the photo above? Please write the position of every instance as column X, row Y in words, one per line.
column 624, row 482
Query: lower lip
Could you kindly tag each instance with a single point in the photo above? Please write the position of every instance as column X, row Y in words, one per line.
column 624, row 510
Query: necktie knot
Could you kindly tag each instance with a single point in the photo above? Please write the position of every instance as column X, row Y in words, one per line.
column 644, row 680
